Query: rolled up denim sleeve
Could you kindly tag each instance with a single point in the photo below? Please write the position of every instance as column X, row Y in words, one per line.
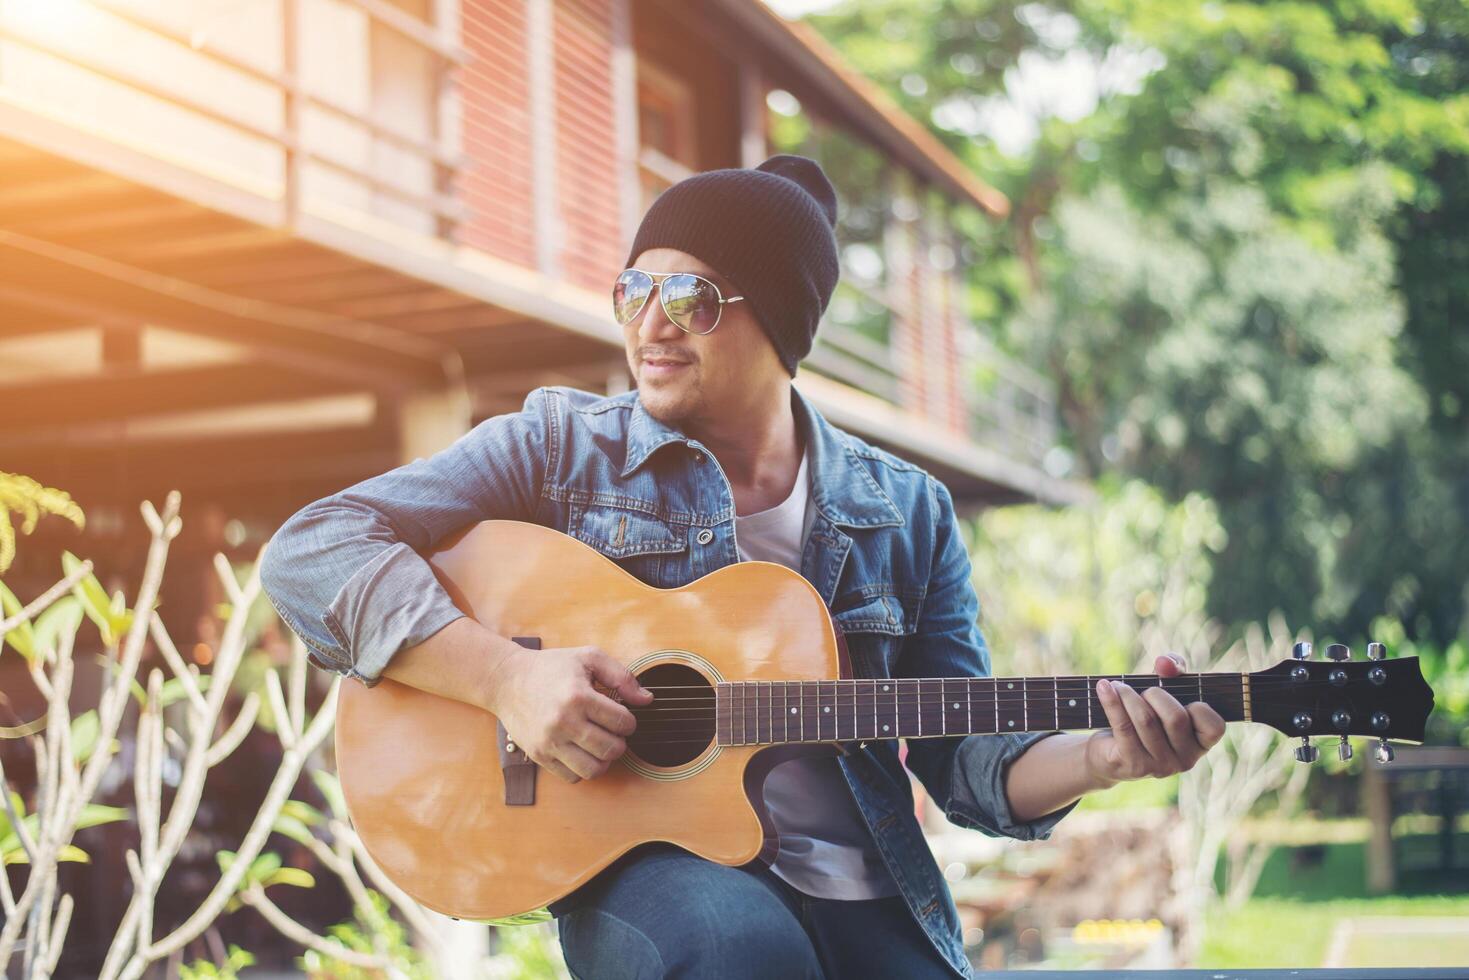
column 345, row 572
column 964, row 775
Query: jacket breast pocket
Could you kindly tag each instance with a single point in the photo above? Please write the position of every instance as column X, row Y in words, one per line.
column 640, row 543
column 876, row 623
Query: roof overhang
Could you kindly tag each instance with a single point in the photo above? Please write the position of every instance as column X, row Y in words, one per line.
column 805, row 54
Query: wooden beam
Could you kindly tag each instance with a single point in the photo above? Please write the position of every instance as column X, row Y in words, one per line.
column 446, row 325
column 128, row 471
column 58, row 222
column 66, row 282
column 52, row 193
column 132, row 392
column 283, row 261
column 239, row 239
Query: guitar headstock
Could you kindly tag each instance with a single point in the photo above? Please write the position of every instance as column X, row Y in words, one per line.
column 1376, row 697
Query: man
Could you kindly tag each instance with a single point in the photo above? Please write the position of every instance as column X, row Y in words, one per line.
column 716, row 458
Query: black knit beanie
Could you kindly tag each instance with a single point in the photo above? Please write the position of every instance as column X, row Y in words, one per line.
column 769, row 230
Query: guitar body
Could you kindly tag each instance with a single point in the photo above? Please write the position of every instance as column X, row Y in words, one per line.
column 422, row 774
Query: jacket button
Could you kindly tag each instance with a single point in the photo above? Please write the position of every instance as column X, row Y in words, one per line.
column 705, row 536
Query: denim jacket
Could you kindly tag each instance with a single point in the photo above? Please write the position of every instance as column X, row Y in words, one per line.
column 884, row 552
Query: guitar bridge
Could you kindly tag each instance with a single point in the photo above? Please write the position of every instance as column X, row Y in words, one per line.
column 517, row 768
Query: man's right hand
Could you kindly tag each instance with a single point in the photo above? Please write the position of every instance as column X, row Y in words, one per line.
column 550, row 708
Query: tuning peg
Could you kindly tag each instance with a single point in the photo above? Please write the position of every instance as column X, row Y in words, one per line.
column 1307, row 752
column 1384, row 751
column 1344, row 750
column 1338, row 652
column 1376, row 651
column 1301, row 651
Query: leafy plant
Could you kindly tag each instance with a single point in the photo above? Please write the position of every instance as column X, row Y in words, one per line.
column 358, row 934
column 265, row 870
column 13, row 852
column 31, row 501
column 237, row 960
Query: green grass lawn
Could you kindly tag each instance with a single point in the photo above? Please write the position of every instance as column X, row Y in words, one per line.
column 1304, row 892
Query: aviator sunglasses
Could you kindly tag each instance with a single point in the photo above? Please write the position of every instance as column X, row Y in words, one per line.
column 692, row 302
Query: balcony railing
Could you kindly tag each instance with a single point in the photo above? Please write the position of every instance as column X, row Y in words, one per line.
column 340, row 102
column 1007, row 406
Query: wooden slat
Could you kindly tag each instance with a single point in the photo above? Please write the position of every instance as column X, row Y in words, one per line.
column 66, row 283
column 130, row 470
column 352, row 284
column 133, row 393
column 449, row 325
column 400, row 304
column 141, row 223
column 280, row 260
column 19, row 199
column 242, row 239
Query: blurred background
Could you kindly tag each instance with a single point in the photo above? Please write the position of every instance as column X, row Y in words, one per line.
column 1171, row 295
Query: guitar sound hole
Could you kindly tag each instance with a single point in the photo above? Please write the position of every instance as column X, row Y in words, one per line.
column 679, row 725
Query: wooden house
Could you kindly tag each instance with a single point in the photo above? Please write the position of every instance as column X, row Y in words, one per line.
column 257, row 250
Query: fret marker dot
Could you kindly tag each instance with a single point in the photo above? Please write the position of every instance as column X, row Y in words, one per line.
column 884, row 687
column 1010, row 686
column 793, row 711
column 1071, row 703
column 884, row 728
column 956, row 705
column 1012, row 724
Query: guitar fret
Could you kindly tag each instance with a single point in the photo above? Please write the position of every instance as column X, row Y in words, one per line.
column 911, row 707
column 786, row 715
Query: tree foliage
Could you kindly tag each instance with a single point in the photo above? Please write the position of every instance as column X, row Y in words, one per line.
column 1242, row 265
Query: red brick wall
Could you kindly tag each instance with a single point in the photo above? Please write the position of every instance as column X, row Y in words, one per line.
column 587, row 168
column 495, row 99
column 498, row 186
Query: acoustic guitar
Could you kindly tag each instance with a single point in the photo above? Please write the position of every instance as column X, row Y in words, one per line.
column 747, row 668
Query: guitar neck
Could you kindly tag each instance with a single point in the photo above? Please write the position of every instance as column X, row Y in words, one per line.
column 771, row 712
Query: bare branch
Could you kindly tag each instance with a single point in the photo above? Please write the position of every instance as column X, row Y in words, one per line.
column 27, row 843
column 254, row 896
column 165, row 645
column 39, row 604
column 283, row 728
column 236, row 733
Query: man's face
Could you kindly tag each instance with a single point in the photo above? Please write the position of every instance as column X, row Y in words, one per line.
column 701, row 378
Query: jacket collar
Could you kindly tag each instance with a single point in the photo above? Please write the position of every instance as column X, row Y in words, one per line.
column 841, row 487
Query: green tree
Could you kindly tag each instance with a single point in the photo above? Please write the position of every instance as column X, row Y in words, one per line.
column 1242, row 267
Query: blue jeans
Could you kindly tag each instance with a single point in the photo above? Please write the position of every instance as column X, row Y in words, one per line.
column 660, row 911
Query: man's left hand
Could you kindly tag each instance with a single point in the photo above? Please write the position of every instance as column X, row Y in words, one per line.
column 1151, row 734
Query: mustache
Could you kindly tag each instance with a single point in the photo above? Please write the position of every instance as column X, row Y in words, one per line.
column 662, row 354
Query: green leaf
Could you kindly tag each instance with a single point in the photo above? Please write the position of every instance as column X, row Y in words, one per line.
column 304, row 812
column 96, row 814
column 22, row 637
column 523, row 919
column 92, row 815
column 174, row 690
column 17, row 854
column 92, row 596
column 264, row 866
column 292, row 828
column 290, row 876
column 331, row 788
column 84, row 729
column 63, row 618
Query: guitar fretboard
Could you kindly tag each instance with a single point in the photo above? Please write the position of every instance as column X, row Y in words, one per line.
column 762, row 712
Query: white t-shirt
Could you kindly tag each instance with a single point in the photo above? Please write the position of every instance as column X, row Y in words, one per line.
column 826, row 849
